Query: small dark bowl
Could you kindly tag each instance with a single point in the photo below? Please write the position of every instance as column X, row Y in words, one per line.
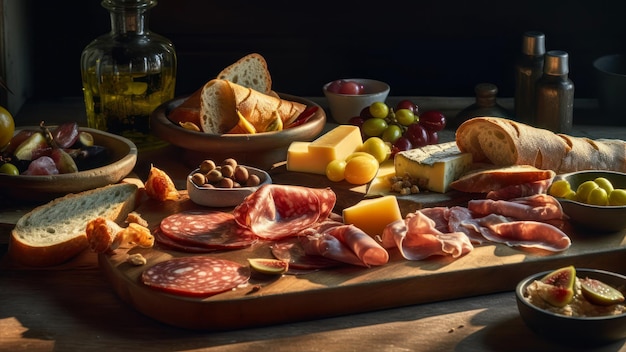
column 594, row 217
column 224, row 197
column 573, row 330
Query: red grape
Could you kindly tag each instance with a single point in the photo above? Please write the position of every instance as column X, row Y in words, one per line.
column 350, row 87
column 365, row 113
column 433, row 137
column 417, row 135
column 407, row 104
column 402, row 144
column 334, row 86
column 432, row 120
column 66, row 134
column 356, row 121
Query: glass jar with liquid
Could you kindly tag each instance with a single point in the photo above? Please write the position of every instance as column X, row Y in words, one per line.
column 127, row 73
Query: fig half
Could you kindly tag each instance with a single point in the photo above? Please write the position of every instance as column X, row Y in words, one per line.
column 597, row 292
column 560, row 291
column 269, row 266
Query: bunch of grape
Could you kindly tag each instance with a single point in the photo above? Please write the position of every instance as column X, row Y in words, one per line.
column 403, row 128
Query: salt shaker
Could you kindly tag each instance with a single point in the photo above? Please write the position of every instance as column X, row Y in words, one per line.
column 555, row 94
column 528, row 70
column 485, row 105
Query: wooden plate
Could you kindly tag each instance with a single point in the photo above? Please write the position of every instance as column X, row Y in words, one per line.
column 123, row 156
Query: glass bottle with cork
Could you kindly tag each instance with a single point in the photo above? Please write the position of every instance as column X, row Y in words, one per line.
column 127, row 73
column 555, row 94
column 485, row 105
column 528, row 70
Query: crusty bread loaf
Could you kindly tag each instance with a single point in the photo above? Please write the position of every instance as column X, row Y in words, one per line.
column 221, row 99
column 55, row 232
column 250, row 71
column 505, row 142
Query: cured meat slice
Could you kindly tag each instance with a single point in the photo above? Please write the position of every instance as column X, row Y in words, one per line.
column 290, row 250
column 528, row 234
column 417, row 238
column 208, row 229
column 196, row 276
column 278, row 211
column 344, row 243
column 539, row 207
column 485, row 180
column 169, row 244
column 521, row 190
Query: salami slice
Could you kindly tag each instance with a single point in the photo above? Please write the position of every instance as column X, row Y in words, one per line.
column 167, row 243
column 196, row 276
column 207, row 229
column 291, row 250
column 278, row 211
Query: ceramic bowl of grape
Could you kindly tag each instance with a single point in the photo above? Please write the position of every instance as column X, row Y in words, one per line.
column 574, row 306
column 594, row 200
column 263, row 150
column 224, row 183
column 348, row 97
column 98, row 159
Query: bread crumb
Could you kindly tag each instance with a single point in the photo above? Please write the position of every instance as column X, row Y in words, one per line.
column 135, row 217
column 136, row 259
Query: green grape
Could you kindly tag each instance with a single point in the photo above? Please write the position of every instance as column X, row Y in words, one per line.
column 405, row 117
column 379, row 110
column 335, row 170
column 9, row 169
column 583, row 190
column 617, row 197
column 604, row 183
column 392, row 133
column 560, row 188
column 374, row 127
column 377, row 148
column 598, row 196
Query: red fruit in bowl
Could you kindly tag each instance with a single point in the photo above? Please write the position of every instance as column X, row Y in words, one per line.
column 352, row 88
column 417, row 135
column 334, row 86
column 407, row 104
column 433, row 120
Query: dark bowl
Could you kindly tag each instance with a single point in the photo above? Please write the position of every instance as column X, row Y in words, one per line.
column 261, row 150
column 224, row 197
column 594, row 217
column 573, row 330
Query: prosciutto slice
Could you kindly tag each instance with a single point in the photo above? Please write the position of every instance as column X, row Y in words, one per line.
column 417, row 238
column 540, row 207
column 278, row 211
column 344, row 243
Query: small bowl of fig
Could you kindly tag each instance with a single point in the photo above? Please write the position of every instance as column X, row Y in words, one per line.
column 347, row 97
column 575, row 306
column 224, row 184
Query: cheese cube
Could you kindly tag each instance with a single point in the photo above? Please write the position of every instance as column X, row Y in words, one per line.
column 337, row 143
column 372, row 215
column 436, row 166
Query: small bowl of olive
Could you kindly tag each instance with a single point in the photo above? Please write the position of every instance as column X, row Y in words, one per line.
column 225, row 184
column 594, row 200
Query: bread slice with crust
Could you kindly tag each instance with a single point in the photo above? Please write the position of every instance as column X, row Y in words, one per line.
column 55, row 232
column 249, row 71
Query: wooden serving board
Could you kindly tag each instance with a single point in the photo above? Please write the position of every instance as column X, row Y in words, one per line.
column 281, row 299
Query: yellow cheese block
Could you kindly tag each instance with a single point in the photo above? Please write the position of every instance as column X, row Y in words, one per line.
column 381, row 184
column 436, row 166
column 336, row 144
column 372, row 215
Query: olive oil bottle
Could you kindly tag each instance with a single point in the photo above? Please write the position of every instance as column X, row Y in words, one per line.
column 127, row 73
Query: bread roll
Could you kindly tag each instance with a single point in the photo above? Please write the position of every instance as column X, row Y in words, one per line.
column 221, row 99
column 56, row 231
column 504, row 142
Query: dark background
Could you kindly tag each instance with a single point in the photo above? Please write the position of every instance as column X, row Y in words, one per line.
column 422, row 48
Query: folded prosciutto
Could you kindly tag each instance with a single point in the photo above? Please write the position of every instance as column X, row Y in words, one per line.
column 344, row 243
column 278, row 211
column 418, row 238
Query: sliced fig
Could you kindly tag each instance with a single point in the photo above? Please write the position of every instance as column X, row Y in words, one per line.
column 559, row 286
column 63, row 161
column 30, row 148
column 66, row 134
column 563, row 277
column 269, row 266
column 597, row 292
column 85, row 139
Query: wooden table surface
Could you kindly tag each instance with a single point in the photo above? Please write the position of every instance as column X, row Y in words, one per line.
column 73, row 308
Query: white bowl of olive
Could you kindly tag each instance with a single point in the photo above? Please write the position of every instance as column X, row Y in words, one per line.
column 594, row 200
column 224, row 184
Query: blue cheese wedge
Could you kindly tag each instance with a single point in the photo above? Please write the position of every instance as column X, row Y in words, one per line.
column 435, row 166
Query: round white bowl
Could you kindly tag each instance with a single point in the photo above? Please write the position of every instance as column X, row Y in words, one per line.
column 343, row 107
column 224, row 197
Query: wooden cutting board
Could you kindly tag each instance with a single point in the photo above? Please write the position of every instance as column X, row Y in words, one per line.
column 281, row 299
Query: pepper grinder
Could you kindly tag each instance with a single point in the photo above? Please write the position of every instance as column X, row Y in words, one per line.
column 555, row 94
column 528, row 70
column 485, row 105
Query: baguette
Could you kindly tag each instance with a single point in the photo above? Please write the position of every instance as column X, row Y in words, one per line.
column 249, row 71
column 56, row 232
column 504, row 142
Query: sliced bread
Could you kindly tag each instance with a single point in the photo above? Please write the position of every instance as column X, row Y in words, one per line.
column 249, row 71
column 55, row 232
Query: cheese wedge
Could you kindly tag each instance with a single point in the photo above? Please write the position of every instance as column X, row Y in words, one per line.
column 372, row 215
column 435, row 165
column 313, row 157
